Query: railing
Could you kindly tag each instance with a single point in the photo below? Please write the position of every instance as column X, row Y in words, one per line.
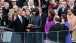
column 30, row 37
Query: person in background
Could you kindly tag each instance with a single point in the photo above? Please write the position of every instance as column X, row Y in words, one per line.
column 65, row 21
column 52, row 3
column 59, row 5
column 72, row 5
column 27, row 16
column 56, row 12
column 72, row 20
column 2, row 17
column 24, row 7
column 58, row 29
column 13, row 3
column 6, row 9
column 45, row 6
column 31, row 4
column 44, row 17
column 63, row 9
column 2, row 3
column 10, row 16
column 10, row 20
column 15, row 8
column 49, row 23
column 12, row 11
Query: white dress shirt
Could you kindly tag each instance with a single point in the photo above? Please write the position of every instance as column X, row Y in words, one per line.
column 20, row 18
column 71, row 7
column 40, row 14
column 31, row 7
column 57, row 22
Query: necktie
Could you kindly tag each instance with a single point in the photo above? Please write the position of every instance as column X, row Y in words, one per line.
column 21, row 19
column 62, row 10
column 31, row 8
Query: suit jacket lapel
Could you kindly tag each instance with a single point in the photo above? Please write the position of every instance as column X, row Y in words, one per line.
column 18, row 20
column 22, row 20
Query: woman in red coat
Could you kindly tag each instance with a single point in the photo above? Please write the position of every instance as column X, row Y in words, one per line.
column 52, row 3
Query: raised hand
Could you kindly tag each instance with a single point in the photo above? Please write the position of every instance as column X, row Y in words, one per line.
column 15, row 17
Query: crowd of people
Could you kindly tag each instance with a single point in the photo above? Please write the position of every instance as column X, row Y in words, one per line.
column 40, row 16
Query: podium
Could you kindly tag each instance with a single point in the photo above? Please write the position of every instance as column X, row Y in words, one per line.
column 9, row 37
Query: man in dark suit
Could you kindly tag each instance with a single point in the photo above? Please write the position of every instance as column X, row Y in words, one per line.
column 3, row 18
column 44, row 16
column 36, row 2
column 6, row 9
column 58, row 31
column 72, row 5
column 63, row 9
column 19, row 23
column 13, row 3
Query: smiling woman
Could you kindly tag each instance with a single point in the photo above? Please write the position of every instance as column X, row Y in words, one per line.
column 36, row 24
column 72, row 21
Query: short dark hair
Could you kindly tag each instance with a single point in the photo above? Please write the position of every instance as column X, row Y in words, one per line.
column 57, row 18
column 51, row 11
column 27, row 9
column 35, row 10
column 65, row 17
column 18, row 9
column 72, row 10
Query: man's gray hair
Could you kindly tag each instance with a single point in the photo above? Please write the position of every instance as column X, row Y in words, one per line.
column 57, row 18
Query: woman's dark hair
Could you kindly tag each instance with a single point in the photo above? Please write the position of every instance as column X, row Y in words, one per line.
column 35, row 10
column 65, row 17
column 72, row 10
column 51, row 11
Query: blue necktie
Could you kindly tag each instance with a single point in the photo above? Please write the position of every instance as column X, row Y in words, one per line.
column 21, row 19
column 62, row 10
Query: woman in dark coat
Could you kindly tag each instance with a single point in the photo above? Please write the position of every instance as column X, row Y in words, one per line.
column 36, row 23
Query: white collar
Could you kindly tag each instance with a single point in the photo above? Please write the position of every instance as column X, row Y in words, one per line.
column 57, row 22
column 19, row 16
column 31, row 6
column 72, row 6
column 0, row 13
column 40, row 14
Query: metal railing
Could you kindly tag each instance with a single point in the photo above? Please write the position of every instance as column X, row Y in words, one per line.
column 29, row 37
